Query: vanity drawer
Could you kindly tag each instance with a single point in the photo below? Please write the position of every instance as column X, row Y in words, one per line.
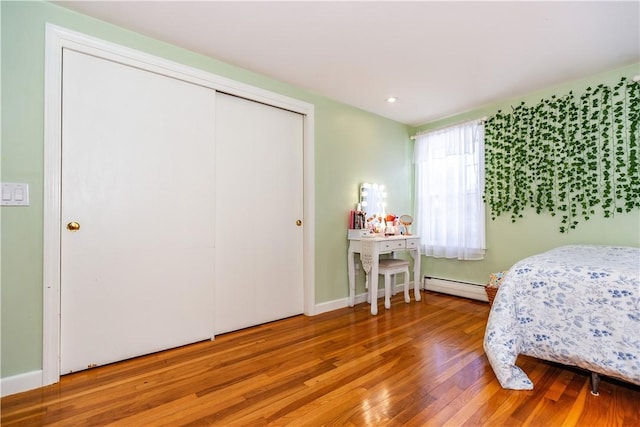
column 413, row 243
column 392, row 245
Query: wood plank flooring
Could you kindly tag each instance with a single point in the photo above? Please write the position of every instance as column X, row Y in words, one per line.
column 418, row 364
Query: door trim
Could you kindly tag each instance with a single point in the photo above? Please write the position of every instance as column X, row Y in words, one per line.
column 58, row 38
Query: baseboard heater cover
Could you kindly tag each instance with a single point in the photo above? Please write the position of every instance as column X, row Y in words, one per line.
column 452, row 287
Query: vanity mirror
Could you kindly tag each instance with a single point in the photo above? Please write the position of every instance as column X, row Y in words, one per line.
column 372, row 199
column 406, row 221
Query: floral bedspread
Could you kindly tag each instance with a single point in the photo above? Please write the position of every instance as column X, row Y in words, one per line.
column 576, row 305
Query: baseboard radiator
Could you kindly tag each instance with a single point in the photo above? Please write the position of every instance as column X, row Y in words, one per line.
column 452, row 287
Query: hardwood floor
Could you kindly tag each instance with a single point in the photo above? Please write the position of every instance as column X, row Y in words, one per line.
column 419, row 364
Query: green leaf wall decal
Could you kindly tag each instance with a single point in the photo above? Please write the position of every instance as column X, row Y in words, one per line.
column 566, row 155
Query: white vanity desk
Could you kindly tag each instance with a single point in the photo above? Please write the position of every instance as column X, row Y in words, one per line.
column 376, row 246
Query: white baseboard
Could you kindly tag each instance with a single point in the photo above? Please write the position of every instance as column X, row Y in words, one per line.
column 337, row 304
column 328, row 306
column 344, row 302
column 21, row 382
column 451, row 287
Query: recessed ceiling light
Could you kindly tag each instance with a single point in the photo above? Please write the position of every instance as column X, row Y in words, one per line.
column 392, row 99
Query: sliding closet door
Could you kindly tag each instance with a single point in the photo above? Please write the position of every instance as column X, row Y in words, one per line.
column 137, row 212
column 259, row 239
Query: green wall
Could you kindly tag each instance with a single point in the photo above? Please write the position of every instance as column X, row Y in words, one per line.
column 509, row 242
column 351, row 146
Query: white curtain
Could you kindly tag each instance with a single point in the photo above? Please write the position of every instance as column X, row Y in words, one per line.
column 449, row 166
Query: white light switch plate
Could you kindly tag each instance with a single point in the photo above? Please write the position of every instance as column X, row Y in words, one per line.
column 15, row 194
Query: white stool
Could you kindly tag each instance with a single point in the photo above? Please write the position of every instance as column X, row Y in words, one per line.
column 389, row 266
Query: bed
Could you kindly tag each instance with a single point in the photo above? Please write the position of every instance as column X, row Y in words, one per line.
column 576, row 305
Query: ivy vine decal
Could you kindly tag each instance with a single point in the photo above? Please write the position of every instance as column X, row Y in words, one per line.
column 566, row 156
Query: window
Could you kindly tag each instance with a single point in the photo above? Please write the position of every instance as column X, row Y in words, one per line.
column 449, row 184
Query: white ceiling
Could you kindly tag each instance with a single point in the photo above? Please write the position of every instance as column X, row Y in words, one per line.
column 438, row 58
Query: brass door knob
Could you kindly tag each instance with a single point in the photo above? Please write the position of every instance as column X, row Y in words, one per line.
column 299, row 222
column 73, row 226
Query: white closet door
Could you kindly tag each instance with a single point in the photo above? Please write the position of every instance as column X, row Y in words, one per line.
column 259, row 189
column 138, row 178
